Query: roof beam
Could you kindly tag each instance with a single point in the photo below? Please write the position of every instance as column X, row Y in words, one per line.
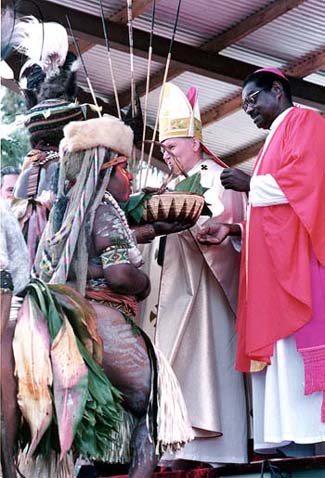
column 308, row 64
column 221, row 109
column 251, row 23
column 138, row 7
column 232, row 35
column 189, row 58
column 243, row 154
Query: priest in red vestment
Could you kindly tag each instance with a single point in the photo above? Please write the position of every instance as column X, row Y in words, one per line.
column 281, row 316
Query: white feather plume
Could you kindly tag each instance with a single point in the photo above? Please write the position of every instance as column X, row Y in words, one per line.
column 45, row 44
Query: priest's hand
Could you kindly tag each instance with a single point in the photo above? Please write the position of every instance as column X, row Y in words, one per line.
column 214, row 232
column 232, row 178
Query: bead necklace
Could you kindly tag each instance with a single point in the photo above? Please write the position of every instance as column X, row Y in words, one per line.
column 134, row 253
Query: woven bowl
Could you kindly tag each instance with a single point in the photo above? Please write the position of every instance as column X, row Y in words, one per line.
column 173, row 206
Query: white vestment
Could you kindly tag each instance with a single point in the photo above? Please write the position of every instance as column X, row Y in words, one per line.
column 195, row 329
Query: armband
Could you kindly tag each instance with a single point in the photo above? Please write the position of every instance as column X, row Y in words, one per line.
column 114, row 255
column 6, row 284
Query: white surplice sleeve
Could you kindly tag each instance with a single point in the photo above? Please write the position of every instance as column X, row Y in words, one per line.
column 265, row 191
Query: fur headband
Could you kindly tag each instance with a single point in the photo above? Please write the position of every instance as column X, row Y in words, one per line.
column 107, row 131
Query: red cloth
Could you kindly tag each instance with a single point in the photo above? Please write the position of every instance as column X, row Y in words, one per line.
column 108, row 295
column 275, row 298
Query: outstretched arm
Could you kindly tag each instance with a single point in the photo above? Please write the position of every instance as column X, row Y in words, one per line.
column 214, row 232
column 148, row 232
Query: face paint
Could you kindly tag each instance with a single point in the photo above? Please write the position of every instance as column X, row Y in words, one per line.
column 120, row 183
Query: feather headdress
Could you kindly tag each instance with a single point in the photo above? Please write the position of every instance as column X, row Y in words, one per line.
column 45, row 44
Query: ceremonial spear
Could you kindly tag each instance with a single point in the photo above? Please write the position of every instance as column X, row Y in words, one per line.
column 75, row 42
column 110, row 63
column 147, row 91
column 162, row 89
column 130, row 29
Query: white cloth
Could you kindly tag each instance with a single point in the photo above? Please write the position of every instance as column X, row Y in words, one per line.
column 265, row 191
column 281, row 412
column 13, row 250
column 195, row 329
column 210, row 179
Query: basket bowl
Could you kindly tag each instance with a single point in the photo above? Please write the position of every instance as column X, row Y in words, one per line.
column 173, row 206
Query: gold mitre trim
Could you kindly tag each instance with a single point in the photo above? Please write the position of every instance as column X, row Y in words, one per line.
column 177, row 118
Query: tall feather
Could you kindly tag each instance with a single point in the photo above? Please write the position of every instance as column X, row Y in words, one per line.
column 45, row 44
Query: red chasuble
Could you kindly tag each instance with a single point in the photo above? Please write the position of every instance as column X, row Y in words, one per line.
column 275, row 294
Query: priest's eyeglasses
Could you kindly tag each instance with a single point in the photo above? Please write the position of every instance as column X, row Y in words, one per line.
column 251, row 99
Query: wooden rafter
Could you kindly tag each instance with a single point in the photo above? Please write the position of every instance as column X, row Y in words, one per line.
column 251, row 23
column 232, row 35
column 221, row 109
column 138, row 7
column 190, row 58
column 244, row 154
column 308, row 64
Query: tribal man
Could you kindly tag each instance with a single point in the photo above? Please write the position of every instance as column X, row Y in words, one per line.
column 90, row 245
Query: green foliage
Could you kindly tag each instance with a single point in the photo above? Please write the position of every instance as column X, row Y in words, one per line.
column 191, row 184
column 102, row 412
column 133, row 208
column 16, row 145
column 12, row 104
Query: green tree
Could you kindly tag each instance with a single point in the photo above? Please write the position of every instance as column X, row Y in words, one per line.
column 14, row 146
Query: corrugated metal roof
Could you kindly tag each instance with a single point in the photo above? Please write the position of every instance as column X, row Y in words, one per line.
column 283, row 41
column 92, row 6
column 247, row 166
column 199, row 20
column 317, row 78
column 231, row 134
column 100, row 77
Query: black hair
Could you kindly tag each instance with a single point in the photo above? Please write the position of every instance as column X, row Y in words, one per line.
column 62, row 85
column 265, row 79
column 9, row 170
